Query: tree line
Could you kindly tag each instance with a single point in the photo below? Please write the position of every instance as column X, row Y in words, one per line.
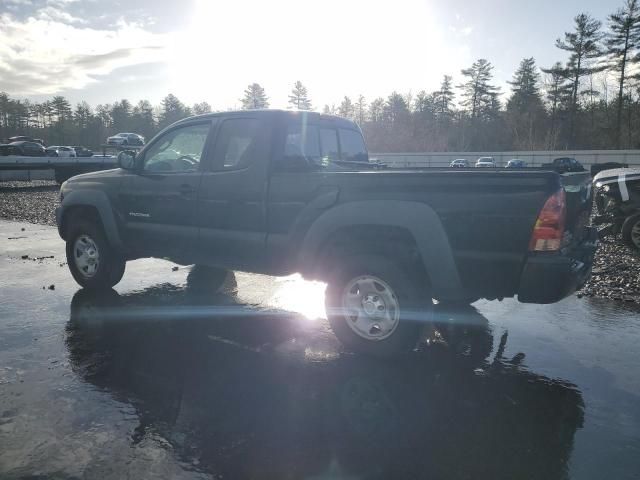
column 590, row 101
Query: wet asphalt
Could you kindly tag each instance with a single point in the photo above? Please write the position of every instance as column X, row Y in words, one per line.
column 155, row 380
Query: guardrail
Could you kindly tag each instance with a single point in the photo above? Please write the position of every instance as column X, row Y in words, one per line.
column 43, row 168
column 533, row 158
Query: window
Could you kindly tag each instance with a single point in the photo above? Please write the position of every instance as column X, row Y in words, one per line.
column 352, row 146
column 238, row 143
column 329, row 142
column 178, row 150
column 301, row 148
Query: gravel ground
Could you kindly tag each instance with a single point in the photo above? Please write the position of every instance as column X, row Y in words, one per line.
column 33, row 202
column 616, row 271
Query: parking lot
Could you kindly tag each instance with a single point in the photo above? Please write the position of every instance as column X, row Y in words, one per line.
column 153, row 379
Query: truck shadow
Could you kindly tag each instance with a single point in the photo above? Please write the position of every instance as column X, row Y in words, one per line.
column 247, row 393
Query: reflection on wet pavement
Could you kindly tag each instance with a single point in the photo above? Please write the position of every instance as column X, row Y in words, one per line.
column 156, row 380
column 248, row 408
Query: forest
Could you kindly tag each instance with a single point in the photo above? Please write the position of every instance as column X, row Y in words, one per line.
column 591, row 100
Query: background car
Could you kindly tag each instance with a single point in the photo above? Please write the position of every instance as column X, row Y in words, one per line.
column 125, row 139
column 25, row 138
column 516, row 163
column 82, row 151
column 487, row 162
column 6, row 150
column 564, row 165
column 459, row 163
column 60, row 151
column 29, row 149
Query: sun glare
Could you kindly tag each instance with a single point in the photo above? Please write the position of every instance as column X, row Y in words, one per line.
column 301, row 296
column 335, row 48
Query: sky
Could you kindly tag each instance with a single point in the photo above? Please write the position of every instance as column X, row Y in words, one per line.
column 208, row 50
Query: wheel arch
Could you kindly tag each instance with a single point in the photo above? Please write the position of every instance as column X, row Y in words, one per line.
column 92, row 206
column 416, row 220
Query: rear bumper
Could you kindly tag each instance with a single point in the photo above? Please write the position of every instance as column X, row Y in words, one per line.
column 548, row 278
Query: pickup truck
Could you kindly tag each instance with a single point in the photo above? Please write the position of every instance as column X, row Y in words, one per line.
column 277, row 192
column 564, row 165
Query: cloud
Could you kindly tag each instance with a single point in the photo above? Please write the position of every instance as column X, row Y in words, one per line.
column 54, row 51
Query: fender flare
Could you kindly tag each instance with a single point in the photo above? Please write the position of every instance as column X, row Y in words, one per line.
column 98, row 200
column 418, row 218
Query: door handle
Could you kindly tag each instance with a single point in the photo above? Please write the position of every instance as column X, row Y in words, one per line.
column 186, row 190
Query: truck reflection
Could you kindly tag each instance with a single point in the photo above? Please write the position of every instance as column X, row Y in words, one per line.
column 228, row 388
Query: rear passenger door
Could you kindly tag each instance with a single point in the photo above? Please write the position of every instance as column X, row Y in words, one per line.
column 303, row 185
column 232, row 195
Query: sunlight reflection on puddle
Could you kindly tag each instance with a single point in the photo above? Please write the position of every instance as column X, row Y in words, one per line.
column 302, row 296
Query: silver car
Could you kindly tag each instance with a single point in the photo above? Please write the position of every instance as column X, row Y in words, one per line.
column 123, row 139
column 487, row 162
column 459, row 163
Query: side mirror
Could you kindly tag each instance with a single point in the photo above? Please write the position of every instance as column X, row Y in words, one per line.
column 127, row 159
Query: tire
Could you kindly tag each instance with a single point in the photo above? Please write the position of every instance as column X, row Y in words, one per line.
column 205, row 279
column 98, row 266
column 631, row 231
column 389, row 307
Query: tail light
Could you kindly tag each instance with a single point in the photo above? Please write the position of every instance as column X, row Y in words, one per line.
column 548, row 231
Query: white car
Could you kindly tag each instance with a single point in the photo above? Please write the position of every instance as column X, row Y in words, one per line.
column 487, row 162
column 60, row 151
column 126, row 139
column 459, row 163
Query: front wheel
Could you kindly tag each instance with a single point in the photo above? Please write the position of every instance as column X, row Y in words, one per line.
column 93, row 263
column 376, row 307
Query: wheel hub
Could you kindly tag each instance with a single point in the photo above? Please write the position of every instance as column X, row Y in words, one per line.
column 86, row 256
column 371, row 307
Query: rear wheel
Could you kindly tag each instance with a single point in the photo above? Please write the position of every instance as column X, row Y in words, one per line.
column 631, row 231
column 376, row 306
column 93, row 263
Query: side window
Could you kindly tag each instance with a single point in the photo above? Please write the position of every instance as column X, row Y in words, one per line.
column 352, row 146
column 178, row 150
column 301, row 148
column 238, row 143
column 329, row 144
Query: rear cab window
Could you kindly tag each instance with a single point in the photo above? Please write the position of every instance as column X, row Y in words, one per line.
column 320, row 146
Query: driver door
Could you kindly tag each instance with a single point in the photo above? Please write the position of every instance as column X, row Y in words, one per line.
column 159, row 202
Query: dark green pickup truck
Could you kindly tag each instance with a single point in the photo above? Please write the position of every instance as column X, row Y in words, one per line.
column 277, row 192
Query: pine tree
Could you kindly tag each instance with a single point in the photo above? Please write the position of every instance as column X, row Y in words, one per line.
column 376, row 110
column 172, row 110
column 480, row 97
column 360, row 110
column 525, row 87
column 142, row 119
column 330, row 110
column 584, row 45
column 346, row 108
column 201, row 108
column 443, row 98
column 621, row 43
column 525, row 110
column 254, row 98
column 558, row 94
column 299, row 98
